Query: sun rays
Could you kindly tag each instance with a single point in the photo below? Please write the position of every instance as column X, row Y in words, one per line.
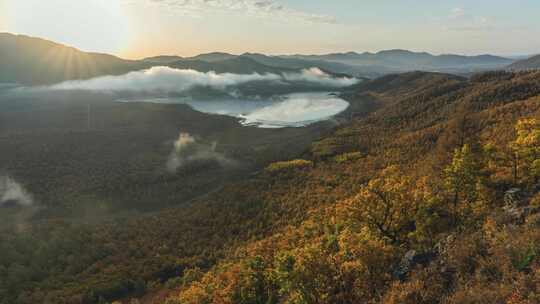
column 92, row 25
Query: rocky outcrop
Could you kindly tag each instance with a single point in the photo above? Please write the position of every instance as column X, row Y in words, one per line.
column 516, row 205
column 411, row 259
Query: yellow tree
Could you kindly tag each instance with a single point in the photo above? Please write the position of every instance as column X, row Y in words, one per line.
column 386, row 205
column 461, row 180
column 527, row 149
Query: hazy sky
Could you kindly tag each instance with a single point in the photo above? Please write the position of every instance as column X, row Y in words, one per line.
column 138, row 28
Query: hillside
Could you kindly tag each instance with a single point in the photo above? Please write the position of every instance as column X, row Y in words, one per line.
column 408, row 203
column 526, row 64
column 21, row 56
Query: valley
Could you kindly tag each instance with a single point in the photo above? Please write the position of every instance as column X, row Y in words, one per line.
column 97, row 156
column 387, row 177
column 213, row 238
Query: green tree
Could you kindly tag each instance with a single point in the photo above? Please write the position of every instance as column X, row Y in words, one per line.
column 255, row 286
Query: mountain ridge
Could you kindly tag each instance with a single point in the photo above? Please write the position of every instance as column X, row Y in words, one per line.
column 23, row 55
column 532, row 62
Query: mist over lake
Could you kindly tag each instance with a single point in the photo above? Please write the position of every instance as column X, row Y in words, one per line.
column 291, row 110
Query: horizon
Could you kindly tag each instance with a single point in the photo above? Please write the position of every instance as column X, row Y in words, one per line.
column 322, row 53
column 135, row 29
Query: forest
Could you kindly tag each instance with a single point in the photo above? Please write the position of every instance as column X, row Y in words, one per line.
column 430, row 195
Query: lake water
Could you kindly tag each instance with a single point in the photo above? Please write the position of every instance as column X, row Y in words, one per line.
column 293, row 110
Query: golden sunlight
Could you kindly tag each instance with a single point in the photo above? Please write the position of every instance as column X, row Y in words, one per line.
column 92, row 25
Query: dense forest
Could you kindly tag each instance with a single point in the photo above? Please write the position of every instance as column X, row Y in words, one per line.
column 431, row 197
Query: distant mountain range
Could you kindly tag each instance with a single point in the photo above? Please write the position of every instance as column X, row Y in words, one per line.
column 35, row 61
column 210, row 57
column 403, row 60
column 531, row 63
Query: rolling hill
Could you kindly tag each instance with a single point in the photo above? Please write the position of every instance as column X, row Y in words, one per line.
column 526, row 64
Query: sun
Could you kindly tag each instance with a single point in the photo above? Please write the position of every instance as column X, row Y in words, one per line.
column 91, row 25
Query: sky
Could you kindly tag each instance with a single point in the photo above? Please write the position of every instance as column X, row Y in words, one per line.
column 140, row 28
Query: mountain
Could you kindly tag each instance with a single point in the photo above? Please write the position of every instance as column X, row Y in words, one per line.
column 164, row 59
column 332, row 67
column 212, row 57
column 404, row 60
column 236, row 64
column 526, row 64
column 35, row 61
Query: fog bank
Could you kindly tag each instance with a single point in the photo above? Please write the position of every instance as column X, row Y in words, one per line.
column 169, row 80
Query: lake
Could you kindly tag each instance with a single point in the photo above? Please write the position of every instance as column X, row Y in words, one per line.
column 293, row 110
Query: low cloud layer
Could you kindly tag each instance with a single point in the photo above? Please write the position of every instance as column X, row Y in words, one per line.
column 186, row 149
column 317, row 76
column 12, row 193
column 169, row 80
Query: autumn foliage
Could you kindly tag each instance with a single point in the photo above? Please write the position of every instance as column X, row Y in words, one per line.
column 408, row 204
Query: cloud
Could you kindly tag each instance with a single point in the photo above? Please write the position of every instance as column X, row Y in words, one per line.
column 186, row 149
column 457, row 12
column 462, row 21
column 169, row 80
column 474, row 24
column 316, row 75
column 11, row 192
column 163, row 79
column 258, row 8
